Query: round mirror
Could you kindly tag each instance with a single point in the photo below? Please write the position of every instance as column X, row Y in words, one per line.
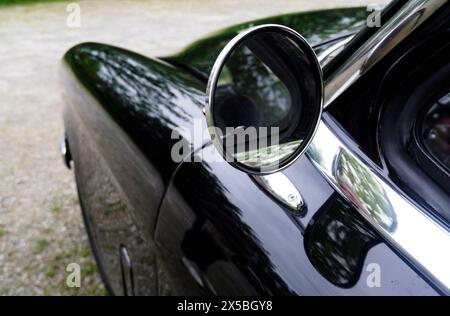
column 264, row 99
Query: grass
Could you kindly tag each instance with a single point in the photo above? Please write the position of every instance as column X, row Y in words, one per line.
column 57, row 209
column 3, row 232
column 40, row 246
column 85, row 253
column 89, row 269
column 56, row 272
column 12, row 2
column 52, row 270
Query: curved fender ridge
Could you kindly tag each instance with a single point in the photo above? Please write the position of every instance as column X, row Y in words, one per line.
column 121, row 111
column 146, row 97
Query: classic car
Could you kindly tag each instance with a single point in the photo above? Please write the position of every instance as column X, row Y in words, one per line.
column 353, row 198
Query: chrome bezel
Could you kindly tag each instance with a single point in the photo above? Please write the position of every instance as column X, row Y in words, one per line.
column 214, row 77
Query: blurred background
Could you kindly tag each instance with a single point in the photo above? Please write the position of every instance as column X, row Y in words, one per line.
column 41, row 229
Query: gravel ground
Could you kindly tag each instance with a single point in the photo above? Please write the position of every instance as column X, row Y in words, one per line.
column 41, row 230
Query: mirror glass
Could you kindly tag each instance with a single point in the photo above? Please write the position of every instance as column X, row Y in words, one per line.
column 267, row 99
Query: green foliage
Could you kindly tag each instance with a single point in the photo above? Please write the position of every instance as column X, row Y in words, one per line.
column 40, row 246
column 315, row 26
column 52, row 270
column 3, row 232
column 89, row 269
column 15, row 2
column 57, row 209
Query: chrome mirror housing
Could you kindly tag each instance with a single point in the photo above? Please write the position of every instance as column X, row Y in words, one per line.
column 264, row 99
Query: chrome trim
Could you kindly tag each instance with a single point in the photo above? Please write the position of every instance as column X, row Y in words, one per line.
column 282, row 189
column 214, row 77
column 406, row 20
column 412, row 231
column 325, row 56
column 126, row 269
column 418, row 236
column 63, row 148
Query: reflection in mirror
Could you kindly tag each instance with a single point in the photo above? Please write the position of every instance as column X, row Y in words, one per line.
column 267, row 100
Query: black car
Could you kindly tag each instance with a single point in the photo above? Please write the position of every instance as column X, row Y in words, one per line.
column 351, row 196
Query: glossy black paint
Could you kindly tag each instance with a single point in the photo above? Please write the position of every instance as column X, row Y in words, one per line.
column 205, row 227
column 318, row 27
column 393, row 93
column 245, row 244
column 121, row 110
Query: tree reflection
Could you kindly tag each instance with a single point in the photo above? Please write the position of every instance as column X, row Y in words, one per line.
column 315, row 27
column 337, row 241
column 219, row 233
column 145, row 97
column 364, row 191
column 249, row 76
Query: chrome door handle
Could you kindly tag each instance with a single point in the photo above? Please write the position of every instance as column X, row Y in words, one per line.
column 283, row 190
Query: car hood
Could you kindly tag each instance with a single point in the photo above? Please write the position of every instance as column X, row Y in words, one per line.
column 316, row 26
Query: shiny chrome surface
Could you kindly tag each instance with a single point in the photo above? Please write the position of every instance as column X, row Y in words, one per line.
column 412, row 231
column 208, row 110
column 413, row 14
column 282, row 189
column 333, row 50
column 408, row 228
column 64, row 151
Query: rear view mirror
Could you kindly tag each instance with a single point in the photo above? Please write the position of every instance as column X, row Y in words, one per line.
column 264, row 99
